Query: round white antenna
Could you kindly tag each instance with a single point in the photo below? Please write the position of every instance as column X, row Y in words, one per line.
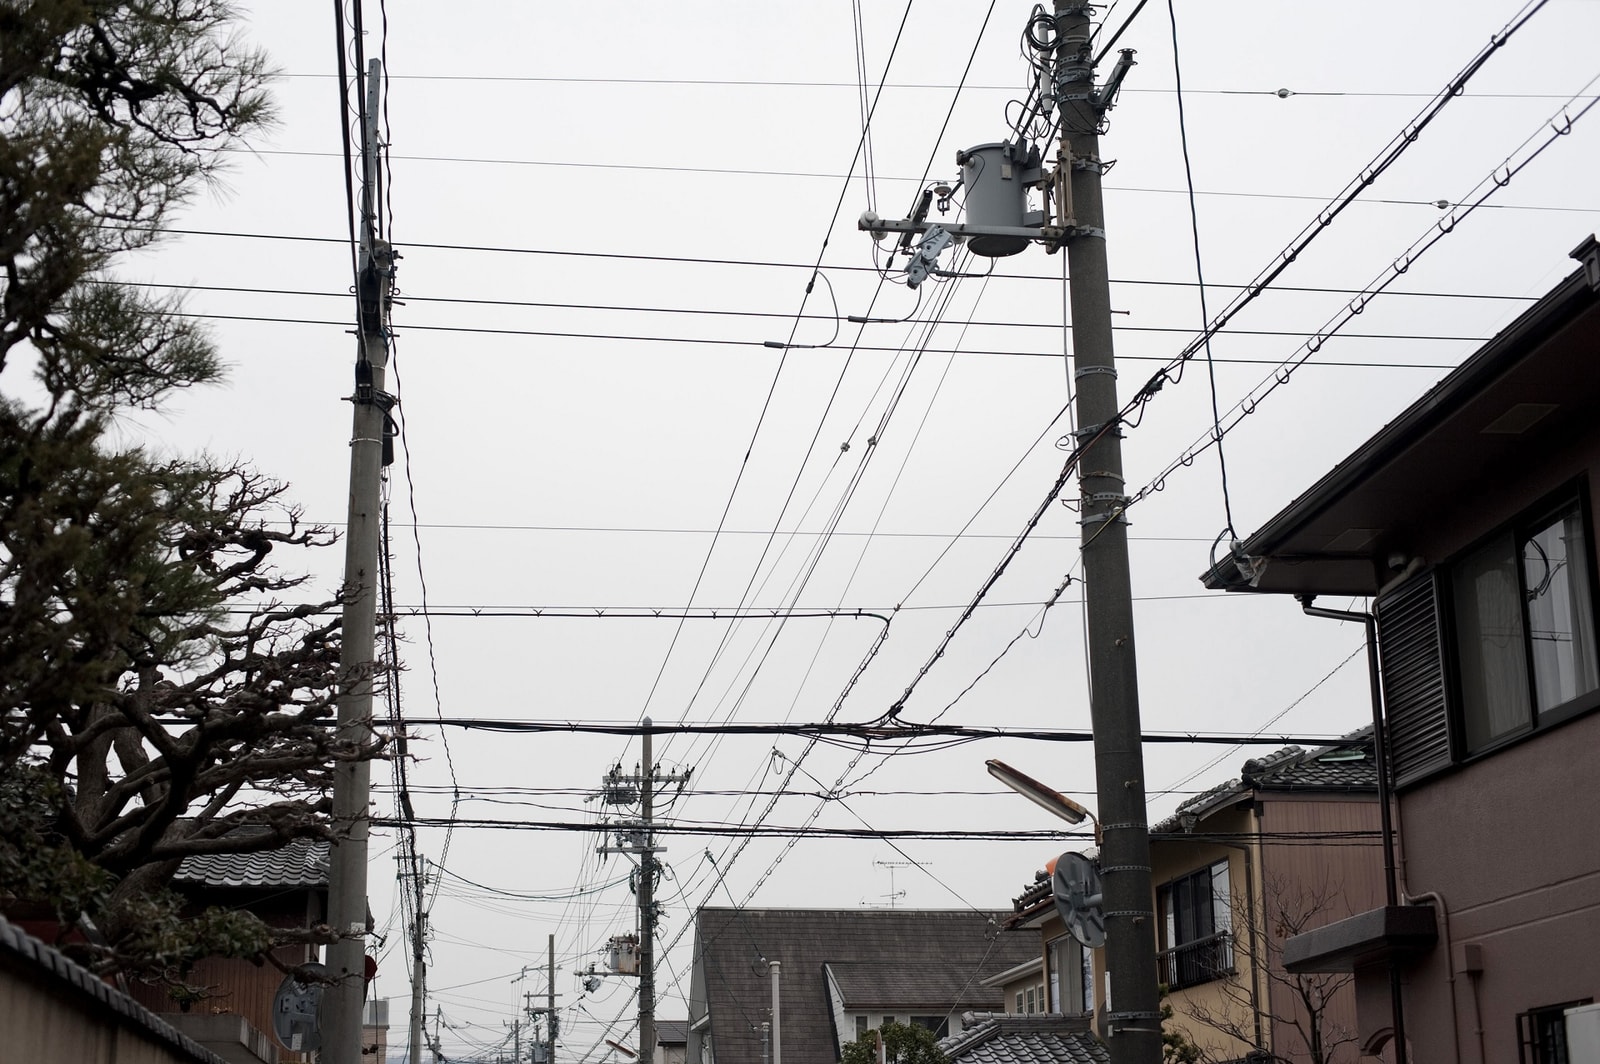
column 1076, row 886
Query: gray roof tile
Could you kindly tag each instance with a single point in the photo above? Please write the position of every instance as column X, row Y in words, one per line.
column 917, row 953
column 1345, row 765
column 997, row 1038
column 299, row 863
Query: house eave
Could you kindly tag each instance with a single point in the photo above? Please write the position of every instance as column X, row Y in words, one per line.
column 1377, row 936
column 1343, row 535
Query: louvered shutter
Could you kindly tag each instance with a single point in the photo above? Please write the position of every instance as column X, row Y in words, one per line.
column 1411, row 653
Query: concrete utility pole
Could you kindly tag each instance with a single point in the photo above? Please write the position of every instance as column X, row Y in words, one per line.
column 347, row 871
column 647, row 903
column 1133, row 1020
column 550, row 1004
column 998, row 223
column 639, row 838
column 547, row 1011
column 417, row 976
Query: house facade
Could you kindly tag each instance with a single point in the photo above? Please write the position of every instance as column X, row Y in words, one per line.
column 841, row 973
column 286, row 887
column 1292, row 843
column 1469, row 522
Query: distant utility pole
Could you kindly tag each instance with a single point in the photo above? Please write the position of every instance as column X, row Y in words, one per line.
column 1133, row 1020
column 370, row 451
column 548, row 1011
column 516, row 1039
column 638, row 838
column 418, row 974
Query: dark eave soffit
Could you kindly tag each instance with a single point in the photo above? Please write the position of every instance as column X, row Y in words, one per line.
column 1537, row 378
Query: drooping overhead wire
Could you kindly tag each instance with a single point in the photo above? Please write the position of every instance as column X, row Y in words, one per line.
column 1353, row 190
column 778, row 371
column 1549, row 132
column 1199, row 273
column 344, row 135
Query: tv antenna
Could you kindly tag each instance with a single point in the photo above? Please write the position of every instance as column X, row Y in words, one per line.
column 894, row 866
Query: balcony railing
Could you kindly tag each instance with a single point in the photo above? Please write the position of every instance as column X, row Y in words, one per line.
column 1196, row 962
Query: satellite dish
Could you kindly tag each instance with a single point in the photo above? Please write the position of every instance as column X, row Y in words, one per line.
column 1076, row 886
column 297, row 1012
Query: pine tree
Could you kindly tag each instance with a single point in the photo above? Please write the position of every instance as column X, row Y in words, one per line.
column 155, row 699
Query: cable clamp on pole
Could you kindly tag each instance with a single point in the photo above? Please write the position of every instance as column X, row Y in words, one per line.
column 1124, row 868
column 1118, row 516
column 1091, row 163
column 1089, row 230
column 1133, row 914
column 1089, row 432
column 1087, row 371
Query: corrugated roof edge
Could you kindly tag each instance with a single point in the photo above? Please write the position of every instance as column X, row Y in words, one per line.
column 32, row 952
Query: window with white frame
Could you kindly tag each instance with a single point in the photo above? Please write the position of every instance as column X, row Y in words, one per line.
column 1495, row 644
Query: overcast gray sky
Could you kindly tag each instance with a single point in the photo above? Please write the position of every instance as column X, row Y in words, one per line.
column 605, row 212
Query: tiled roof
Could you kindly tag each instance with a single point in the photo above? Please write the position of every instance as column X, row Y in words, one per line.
column 918, row 951
column 298, row 863
column 889, row 984
column 1345, row 765
column 47, row 965
column 672, row 1032
column 997, row 1038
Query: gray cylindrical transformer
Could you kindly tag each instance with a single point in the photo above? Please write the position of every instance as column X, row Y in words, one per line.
column 996, row 195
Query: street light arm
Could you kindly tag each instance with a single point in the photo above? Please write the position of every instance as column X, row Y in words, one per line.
column 1046, row 798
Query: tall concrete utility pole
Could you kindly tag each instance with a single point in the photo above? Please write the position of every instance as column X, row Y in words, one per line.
column 639, row 838
column 647, row 904
column 1133, row 1020
column 418, row 972
column 998, row 223
column 347, row 871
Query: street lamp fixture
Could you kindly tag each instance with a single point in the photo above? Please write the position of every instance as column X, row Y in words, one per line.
column 1044, row 797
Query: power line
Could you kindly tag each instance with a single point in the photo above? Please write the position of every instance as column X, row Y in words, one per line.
column 987, row 352
column 902, row 731
column 836, row 268
column 930, row 86
column 1357, row 837
column 470, row 160
column 714, row 313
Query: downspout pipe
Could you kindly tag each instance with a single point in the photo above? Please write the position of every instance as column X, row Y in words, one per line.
column 1380, row 757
